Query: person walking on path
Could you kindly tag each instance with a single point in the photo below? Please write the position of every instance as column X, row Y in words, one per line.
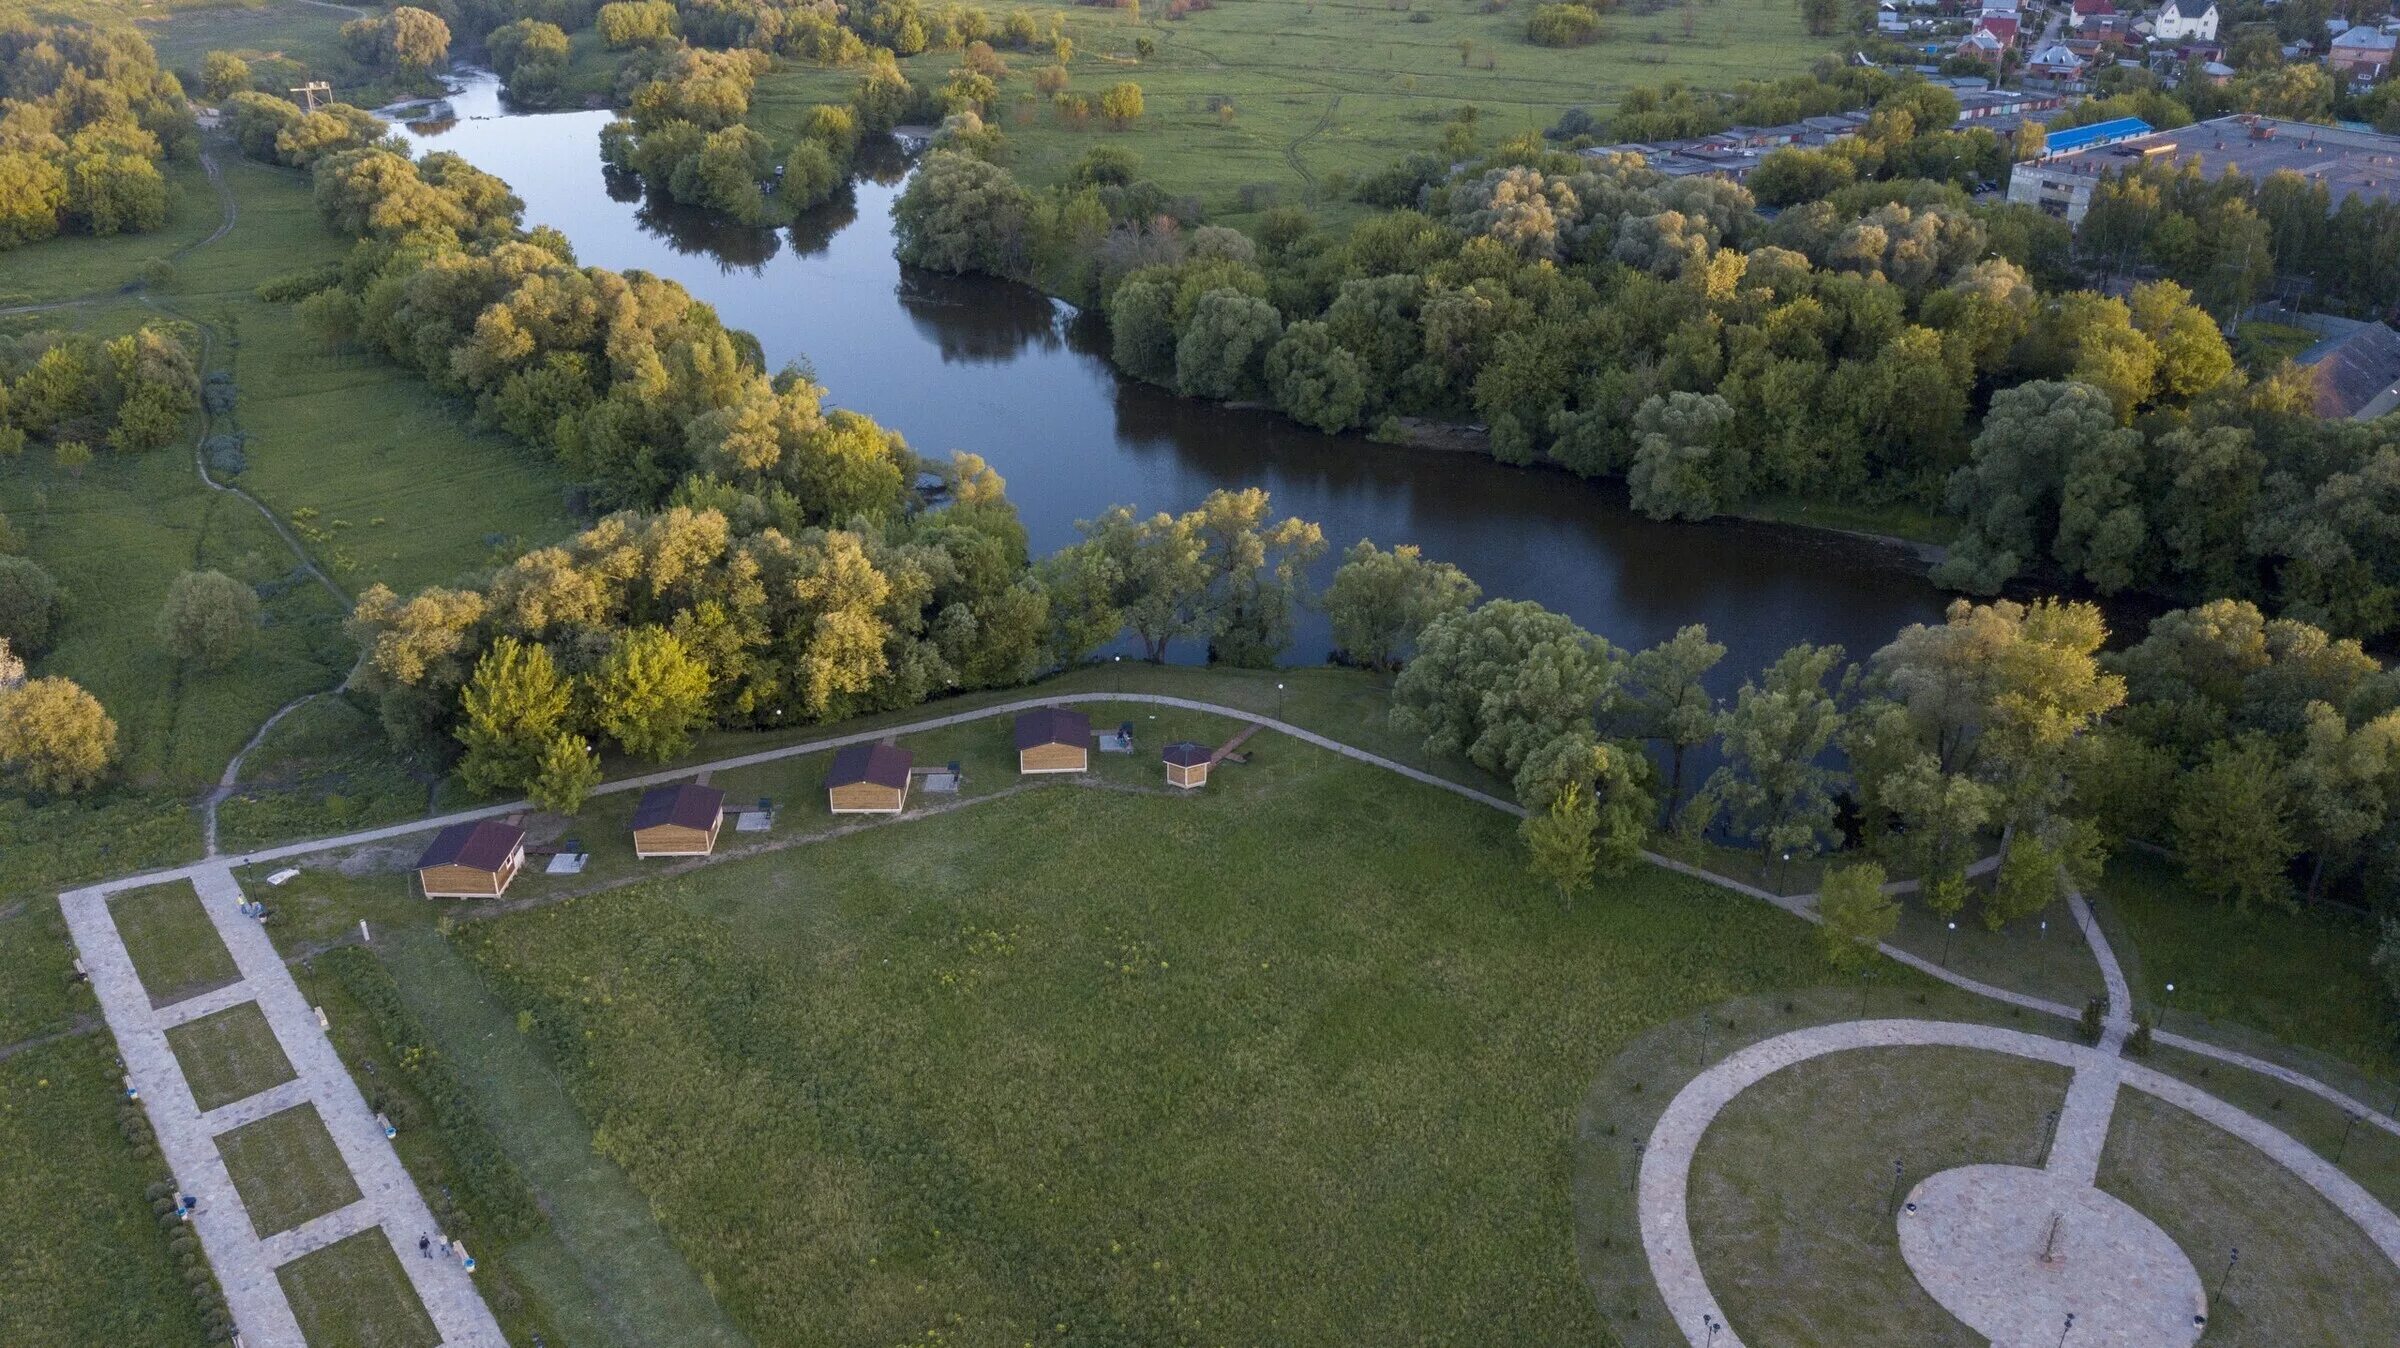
column 425, row 1246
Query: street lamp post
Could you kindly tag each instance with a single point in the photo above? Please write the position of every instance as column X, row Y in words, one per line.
column 2347, row 1129
column 1279, row 700
column 1898, row 1170
column 2232, row 1258
column 2163, row 1004
column 2050, row 1133
column 2066, row 1329
column 1710, row 1320
column 1947, row 937
column 1120, row 663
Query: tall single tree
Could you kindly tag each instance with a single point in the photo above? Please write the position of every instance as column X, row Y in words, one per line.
column 55, row 737
column 511, row 712
column 1558, row 841
column 1380, row 602
column 209, row 618
column 1671, row 705
column 649, row 694
column 1857, row 915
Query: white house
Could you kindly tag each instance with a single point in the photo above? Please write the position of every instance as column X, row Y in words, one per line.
column 2185, row 21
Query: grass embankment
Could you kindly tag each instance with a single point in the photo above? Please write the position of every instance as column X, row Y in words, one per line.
column 307, row 33
column 1290, row 1060
column 1324, row 92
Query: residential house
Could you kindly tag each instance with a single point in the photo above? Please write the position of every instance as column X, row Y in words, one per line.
column 472, row 861
column 2087, row 10
column 2361, row 55
column 678, row 821
column 2055, row 62
column 2183, row 20
column 1982, row 46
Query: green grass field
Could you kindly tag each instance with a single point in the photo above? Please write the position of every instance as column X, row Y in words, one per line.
column 1326, row 90
column 354, row 1294
column 175, row 948
column 229, row 1056
column 1292, row 1060
column 1809, row 1253
column 287, row 1169
column 2302, row 978
column 2306, row 1275
column 82, row 1260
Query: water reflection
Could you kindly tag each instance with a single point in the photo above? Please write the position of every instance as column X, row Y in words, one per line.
column 978, row 320
column 971, row 363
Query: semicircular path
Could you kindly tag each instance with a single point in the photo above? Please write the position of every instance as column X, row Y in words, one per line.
column 1665, row 1179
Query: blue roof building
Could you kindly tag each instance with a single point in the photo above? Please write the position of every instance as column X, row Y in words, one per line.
column 2098, row 133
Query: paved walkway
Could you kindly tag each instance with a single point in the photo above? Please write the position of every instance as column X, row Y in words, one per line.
column 1664, row 1184
column 244, row 1260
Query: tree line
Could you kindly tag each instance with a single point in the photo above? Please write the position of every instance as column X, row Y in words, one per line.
column 87, row 120
column 1889, row 342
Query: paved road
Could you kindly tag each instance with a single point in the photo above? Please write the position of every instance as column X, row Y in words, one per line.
column 244, row 1258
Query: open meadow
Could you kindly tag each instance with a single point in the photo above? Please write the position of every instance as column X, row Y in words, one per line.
column 1321, row 93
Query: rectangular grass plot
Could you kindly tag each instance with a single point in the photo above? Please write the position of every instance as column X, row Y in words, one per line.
column 229, row 1056
column 287, row 1169
column 175, row 948
column 354, row 1294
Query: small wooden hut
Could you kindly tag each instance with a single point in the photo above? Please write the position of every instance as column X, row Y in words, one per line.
column 678, row 821
column 1187, row 764
column 868, row 779
column 472, row 861
column 1053, row 739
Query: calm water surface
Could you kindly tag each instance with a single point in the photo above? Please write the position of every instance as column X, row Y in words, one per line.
column 1004, row 371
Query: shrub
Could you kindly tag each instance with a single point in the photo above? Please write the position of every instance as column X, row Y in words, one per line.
column 1563, row 26
column 28, row 606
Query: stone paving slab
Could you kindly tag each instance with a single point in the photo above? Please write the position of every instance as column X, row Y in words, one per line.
column 206, row 1004
column 318, row 1232
column 250, row 1109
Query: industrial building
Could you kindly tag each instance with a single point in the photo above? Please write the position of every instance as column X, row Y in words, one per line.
column 2349, row 163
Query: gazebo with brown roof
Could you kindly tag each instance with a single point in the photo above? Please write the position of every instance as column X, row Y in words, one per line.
column 1053, row 739
column 678, row 821
column 472, row 861
column 1187, row 763
column 868, row 779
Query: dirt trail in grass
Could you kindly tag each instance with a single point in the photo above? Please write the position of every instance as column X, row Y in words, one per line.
column 643, row 1291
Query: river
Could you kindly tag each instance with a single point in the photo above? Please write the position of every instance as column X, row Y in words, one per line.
column 1008, row 373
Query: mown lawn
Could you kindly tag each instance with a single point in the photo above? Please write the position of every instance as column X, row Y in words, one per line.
column 175, row 948
column 354, row 1294
column 229, row 1056
column 1292, row 1060
column 2306, row 1273
column 82, row 1260
column 287, row 1169
column 1809, row 1253
column 1324, row 92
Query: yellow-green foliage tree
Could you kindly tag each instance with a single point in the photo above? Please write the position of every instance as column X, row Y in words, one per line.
column 55, row 737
